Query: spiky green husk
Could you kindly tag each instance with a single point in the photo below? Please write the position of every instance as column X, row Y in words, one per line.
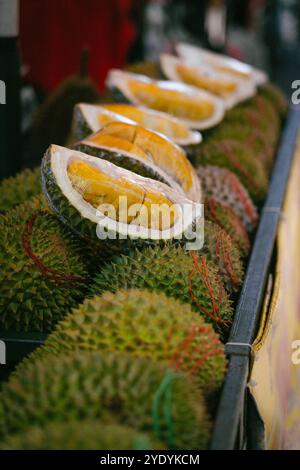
column 276, row 97
column 135, row 392
column 220, row 248
column 267, row 110
column 235, row 156
column 123, row 161
column 224, row 186
column 254, row 118
column 175, row 271
column 143, row 324
column 17, row 190
column 255, row 140
column 229, row 221
column 31, row 297
column 81, row 435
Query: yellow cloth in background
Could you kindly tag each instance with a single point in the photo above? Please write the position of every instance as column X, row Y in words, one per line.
column 275, row 380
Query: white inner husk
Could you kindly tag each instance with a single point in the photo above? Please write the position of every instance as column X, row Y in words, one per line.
column 187, row 211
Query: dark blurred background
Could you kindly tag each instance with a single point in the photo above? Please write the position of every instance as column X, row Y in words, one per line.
column 83, row 39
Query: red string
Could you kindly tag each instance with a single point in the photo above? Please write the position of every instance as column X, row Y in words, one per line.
column 213, row 207
column 202, row 270
column 223, row 253
column 227, row 147
column 206, row 351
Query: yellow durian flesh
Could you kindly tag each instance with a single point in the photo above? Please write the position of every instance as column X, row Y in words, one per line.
column 195, row 77
column 156, row 122
column 116, row 142
column 174, row 102
column 100, row 189
column 160, row 151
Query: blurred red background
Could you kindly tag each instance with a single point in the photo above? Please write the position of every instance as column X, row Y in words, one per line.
column 54, row 32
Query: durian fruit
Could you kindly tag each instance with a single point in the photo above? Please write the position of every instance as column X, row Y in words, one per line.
column 238, row 158
column 253, row 138
column 266, row 109
column 42, row 273
column 144, row 152
column 226, row 218
column 276, row 97
column 203, row 76
column 98, row 199
column 184, row 275
column 194, row 55
column 81, row 435
column 111, row 388
column 88, row 119
column 198, row 109
column 254, row 119
column 18, row 189
column 224, row 186
column 221, row 249
column 145, row 324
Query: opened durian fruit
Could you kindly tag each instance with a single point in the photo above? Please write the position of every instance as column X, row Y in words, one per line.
column 145, row 152
column 203, row 76
column 90, row 118
column 197, row 109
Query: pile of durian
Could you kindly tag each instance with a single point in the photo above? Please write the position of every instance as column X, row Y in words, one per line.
column 134, row 358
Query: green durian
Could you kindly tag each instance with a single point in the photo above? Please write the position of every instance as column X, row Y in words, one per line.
column 185, row 275
column 42, row 272
column 145, row 324
column 266, row 109
column 81, row 435
column 224, row 186
column 226, row 218
column 237, row 157
column 18, row 189
column 256, row 140
column 110, row 387
column 252, row 117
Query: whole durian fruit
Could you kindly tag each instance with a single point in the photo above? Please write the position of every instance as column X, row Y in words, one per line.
column 224, row 187
column 18, row 189
column 249, row 116
column 81, row 435
column 185, row 275
column 253, row 138
column 237, row 157
column 42, row 272
column 109, row 387
column 226, row 218
column 261, row 104
column 146, row 324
